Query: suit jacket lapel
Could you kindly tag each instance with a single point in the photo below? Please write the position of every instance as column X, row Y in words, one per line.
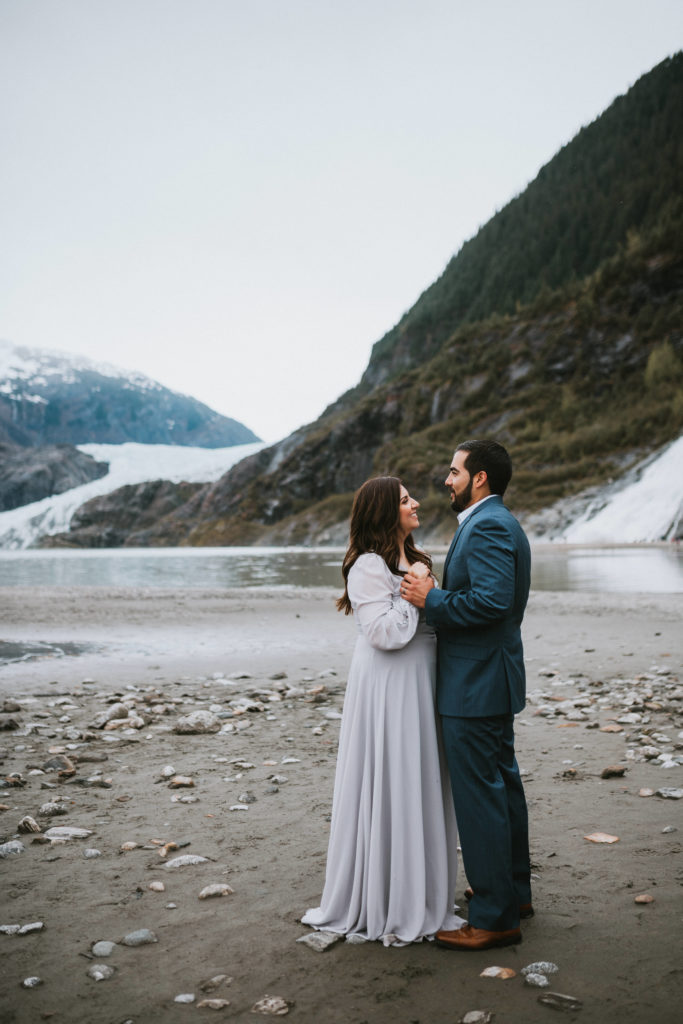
column 461, row 529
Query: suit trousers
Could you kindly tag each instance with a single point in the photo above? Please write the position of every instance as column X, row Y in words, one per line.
column 491, row 811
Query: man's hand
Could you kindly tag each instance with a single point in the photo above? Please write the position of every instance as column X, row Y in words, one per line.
column 416, row 585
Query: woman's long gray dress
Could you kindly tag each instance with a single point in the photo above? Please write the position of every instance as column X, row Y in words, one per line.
column 392, row 856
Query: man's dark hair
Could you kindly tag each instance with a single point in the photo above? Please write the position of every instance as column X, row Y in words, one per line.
column 492, row 458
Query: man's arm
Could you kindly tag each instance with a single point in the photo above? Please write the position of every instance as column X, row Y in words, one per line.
column 490, row 562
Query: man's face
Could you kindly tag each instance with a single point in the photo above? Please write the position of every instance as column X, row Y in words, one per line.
column 460, row 483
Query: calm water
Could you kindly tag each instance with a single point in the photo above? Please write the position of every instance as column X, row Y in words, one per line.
column 626, row 569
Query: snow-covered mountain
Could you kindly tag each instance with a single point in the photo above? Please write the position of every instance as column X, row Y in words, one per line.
column 49, row 397
column 128, row 464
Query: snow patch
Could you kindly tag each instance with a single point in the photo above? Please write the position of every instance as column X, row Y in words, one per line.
column 645, row 505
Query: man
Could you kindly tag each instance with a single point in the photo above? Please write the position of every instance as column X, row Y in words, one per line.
column 480, row 687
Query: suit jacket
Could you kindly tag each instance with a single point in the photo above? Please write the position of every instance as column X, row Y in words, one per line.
column 478, row 613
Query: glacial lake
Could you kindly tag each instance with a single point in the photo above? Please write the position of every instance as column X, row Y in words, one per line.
column 632, row 569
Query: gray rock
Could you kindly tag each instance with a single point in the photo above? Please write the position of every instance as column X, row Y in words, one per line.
column 103, row 948
column 28, row 929
column 669, row 793
column 52, row 810
column 109, row 714
column 197, row 722
column 9, row 849
column 92, row 852
column 66, row 832
column 559, row 1001
column 100, row 972
column 31, row 982
column 30, row 474
column 185, row 997
column 540, row 967
column 141, row 937
column 536, row 980
column 320, row 941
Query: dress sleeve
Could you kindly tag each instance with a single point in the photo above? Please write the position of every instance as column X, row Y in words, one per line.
column 387, row 621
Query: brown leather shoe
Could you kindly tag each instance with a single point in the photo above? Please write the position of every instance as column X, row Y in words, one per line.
column 526, row 910
column 468, row 937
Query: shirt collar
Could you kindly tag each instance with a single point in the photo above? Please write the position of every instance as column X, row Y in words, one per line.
column 462, row 516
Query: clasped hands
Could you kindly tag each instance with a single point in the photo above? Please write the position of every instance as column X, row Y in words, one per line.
column 416, row 584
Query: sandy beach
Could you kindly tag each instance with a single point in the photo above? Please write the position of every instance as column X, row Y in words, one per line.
column 267, row 670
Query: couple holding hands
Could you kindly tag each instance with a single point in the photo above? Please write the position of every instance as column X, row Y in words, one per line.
column 427, row 738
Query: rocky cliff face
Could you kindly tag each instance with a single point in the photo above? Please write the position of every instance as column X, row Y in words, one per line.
column 130, row 516
column 53, row 398
column 30, row 474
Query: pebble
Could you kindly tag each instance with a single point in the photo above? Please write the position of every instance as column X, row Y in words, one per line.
column 477, row 1017
column 28, row 824
column 52, row 810
column 28, row 929
column 168, row 772
column 66, row 832
column 181, row 780
column 92, row 852
column 211, row 984
column 184, row 997
column 197, row 722
column 213, row 1004
column 187, row 859
column 247, row 798
column 100, row 972
column 217, row 889
column 157, row 887
column 614, row 771
column 558, row 1001
column 320, row 941
column 536, row 980
column 498, row 972
column 12, row 847
column 668, row 829
column 239, row 807
column 141, row 937
column 31, row 982
column 644, row 897
column 669, row 793
column 103, row 948
column 646, row 792
column 601, row 837
column 274, row 1005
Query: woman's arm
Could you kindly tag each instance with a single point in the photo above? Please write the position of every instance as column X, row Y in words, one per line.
column 387, row 621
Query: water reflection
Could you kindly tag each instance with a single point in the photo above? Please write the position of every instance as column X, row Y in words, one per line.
column 630, row 569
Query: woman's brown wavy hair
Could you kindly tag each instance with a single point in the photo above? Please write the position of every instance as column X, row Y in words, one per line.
column 374, row 527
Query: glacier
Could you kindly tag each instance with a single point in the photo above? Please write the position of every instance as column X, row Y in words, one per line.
column 129, row 463
column 643, row 506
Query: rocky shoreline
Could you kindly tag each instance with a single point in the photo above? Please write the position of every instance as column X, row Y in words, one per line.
column 192, row 741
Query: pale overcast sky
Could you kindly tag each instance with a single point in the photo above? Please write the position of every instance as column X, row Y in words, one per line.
column 239, row 197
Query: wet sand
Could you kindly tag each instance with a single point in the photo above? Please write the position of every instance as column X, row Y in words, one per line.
column 591, row 659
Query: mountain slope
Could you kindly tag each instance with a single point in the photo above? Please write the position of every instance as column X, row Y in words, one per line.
column 54, row 398
column 619, row 174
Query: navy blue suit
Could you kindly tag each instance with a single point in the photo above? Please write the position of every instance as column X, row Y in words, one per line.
column 480, row 687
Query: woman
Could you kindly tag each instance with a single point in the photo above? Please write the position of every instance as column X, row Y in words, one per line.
column 391, row 861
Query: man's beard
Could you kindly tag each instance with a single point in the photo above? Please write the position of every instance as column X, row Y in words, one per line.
column 460, row 502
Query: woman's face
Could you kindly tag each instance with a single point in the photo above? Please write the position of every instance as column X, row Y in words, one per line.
column 407, row 513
